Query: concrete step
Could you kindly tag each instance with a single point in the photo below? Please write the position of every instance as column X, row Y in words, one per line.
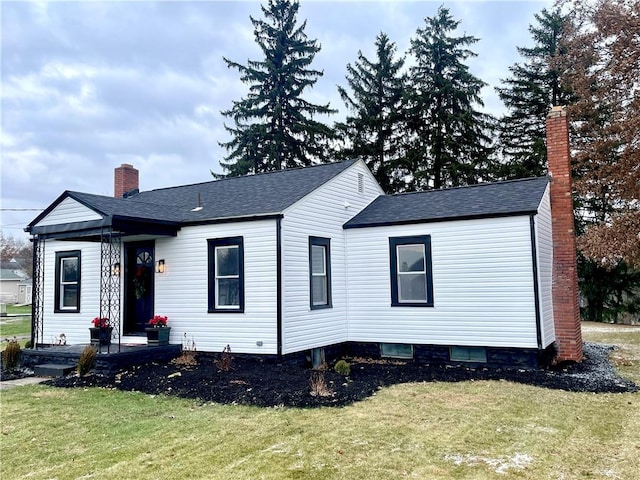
column 53, row 369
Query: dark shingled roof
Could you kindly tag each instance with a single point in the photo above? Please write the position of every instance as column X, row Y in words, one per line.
column 237, row 197
column 515, row 197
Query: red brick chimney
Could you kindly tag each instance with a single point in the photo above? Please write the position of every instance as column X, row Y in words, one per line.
column 566, row 310
column 125, row 179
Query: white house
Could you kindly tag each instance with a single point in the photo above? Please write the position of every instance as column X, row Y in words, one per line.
column 298, row 261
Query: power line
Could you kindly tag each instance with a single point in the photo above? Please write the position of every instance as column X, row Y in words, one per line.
column 21, row 209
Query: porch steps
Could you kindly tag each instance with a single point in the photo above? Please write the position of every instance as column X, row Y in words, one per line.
column 53, row 369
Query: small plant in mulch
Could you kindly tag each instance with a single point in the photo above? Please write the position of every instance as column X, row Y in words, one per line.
column 225, row 361
column 87, row 360
column 318, row 385
column 188, row 356
column 342, row 367
column 11, row 355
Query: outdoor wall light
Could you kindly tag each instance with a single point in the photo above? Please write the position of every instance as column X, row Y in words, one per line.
column 160, row 266
column 115, row 269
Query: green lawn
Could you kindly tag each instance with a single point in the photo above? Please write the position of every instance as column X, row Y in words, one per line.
column 478, row 430
column 19, row 309
column 19, row 326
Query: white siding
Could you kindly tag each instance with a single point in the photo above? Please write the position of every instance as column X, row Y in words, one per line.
column 181, row 292
column 320, row 214
column 69, row 211
column 75, row 326
column 544, row 243
column 482, row 283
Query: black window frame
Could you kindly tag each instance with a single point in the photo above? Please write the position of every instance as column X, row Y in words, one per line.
column 212, row 243
column 394, row 242
column 58, row 289
column 326, row 244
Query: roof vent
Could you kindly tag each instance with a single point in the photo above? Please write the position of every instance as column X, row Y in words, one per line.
column 360, row 183
column 199, row 206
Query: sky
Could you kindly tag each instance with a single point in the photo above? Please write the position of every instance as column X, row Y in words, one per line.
column 87, row 86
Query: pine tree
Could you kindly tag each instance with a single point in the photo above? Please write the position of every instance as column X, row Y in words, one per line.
column 450, row 137
column 532, row 89
column 274, row 126
column 373, row 132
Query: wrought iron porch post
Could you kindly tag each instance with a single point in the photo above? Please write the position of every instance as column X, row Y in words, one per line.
column 37, row 292
column 110, row 280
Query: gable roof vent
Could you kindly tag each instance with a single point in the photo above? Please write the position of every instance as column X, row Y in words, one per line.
column 360, row 183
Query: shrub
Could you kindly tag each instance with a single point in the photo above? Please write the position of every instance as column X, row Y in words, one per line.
column 318, row 385
column 28, row 344
column 11, row 355
column 224, row 363
column 87, row 360
column 342, row 367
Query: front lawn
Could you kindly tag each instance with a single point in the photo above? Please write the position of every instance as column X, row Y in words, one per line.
column 18, row 326
column 435, row 430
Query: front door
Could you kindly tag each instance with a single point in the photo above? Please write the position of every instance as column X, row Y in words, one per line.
column 138, row 293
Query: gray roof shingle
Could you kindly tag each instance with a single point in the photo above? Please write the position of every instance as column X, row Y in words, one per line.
column 236, row 197
column 515, row 197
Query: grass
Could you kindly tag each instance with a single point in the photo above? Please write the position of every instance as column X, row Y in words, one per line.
column 18, row 326
column 428, row 430
column 19, row 309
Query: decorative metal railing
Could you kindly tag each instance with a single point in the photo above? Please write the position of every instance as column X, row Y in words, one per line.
column 37, row 292
column 111, row 270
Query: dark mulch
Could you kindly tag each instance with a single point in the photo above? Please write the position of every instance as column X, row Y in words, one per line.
column 254, row 381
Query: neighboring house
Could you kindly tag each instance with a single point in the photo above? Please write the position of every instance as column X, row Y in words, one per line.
column 9, row 285
column 296, row 261
column 25, row 291
column 13, row 281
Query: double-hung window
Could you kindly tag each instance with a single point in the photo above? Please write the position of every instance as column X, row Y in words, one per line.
column 411, row 276
column 67, row 285
column 320, row 272
column 226, row 274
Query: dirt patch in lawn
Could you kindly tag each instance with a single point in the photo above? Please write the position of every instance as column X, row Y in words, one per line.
column 262, row 382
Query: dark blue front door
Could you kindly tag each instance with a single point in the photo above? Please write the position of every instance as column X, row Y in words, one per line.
column 138, row 293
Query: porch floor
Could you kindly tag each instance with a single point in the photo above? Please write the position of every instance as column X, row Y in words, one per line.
column 108, row 361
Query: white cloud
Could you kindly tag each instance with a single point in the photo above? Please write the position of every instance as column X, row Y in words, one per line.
column 87, row 86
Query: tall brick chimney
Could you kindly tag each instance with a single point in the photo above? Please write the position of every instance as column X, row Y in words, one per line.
column 125, row 179
column 566, row 310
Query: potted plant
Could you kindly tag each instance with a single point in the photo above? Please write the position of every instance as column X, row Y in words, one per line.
column 158, row 331
column 101, row 331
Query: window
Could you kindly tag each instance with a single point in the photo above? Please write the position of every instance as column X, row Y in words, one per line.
column 226, row 275
column 411, row 277
column 396, row 350
column 468, row 354
column 67, row 286
column 320, row 272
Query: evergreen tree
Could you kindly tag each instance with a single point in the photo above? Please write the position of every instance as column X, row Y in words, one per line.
column 450, row 137
column 372, row 133
column 274, row 126
column 532, row 89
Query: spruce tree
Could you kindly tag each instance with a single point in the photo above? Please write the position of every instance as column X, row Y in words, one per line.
column 373, row 131
column 274, row 127
column 450, row 136
column 533, row 87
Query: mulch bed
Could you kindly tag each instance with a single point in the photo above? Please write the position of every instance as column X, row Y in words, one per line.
column 255, row 381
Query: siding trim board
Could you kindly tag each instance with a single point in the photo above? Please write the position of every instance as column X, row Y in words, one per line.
column 279, row 285
column 536, row 285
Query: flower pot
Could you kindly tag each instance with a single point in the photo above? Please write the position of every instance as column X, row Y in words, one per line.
column 158, row 336
column 100, row 336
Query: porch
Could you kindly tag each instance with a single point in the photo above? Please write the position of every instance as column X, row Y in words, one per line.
column 108, row 362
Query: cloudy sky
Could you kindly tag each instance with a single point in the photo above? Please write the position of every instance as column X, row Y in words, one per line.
column 87, row 86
